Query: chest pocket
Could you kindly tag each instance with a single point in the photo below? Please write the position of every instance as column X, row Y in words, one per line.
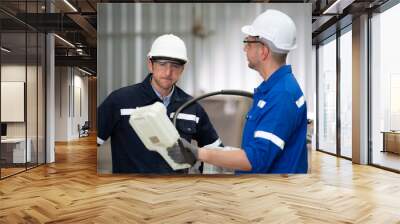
column 258, row 108
column 187, row 129
column 254, row 114
column 125, row 114
column 186, row 122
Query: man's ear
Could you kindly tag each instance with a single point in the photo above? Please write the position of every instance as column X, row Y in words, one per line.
column 149, row 65
column 265, row 53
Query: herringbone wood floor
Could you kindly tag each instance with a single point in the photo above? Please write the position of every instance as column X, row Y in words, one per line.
column 70, row 191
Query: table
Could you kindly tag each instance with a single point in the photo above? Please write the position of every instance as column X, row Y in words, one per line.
column 391, row 141
column 15, row 148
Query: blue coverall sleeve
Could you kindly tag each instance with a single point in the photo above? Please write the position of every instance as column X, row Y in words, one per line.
column 273, row 124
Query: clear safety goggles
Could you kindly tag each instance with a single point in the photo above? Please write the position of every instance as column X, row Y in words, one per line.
column 165, row 63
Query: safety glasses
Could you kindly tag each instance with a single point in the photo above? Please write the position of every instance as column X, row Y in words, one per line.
column 248, row 41
column 164, row 64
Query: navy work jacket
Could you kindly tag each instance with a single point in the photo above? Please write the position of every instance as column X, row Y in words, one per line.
column 129, row 155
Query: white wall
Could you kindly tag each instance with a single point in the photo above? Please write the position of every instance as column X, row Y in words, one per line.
column 61, row 103
column 14, row 73
column 33, row 126
column 17, row 73
column 70, row 83
column 80, row 84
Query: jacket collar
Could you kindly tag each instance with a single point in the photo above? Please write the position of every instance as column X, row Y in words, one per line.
column 266, row 85
column 177, row 96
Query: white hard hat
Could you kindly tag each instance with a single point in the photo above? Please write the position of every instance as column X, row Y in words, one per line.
column 276, row 28
column 169, row 46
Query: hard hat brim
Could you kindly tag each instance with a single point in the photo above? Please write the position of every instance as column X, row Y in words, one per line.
column 150, row 56
column 174, row 60
column 249, row 30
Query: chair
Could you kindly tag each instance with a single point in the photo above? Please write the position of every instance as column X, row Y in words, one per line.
column 84, row 130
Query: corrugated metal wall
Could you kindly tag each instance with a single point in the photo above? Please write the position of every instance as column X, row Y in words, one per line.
column 212, row 35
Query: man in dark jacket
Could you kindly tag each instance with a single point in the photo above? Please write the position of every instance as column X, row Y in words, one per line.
column 166, row 61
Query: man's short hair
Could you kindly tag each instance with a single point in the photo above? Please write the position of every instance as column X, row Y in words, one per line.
column 278, row 57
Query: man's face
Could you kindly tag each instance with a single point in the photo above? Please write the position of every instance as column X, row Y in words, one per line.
column 165, row 72
column 252, row 47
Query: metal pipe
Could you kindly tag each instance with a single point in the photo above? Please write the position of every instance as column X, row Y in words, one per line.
column 222, row 92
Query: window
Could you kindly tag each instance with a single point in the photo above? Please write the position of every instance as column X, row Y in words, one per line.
column 385, row 89
column 327, row 97
column 346, row 94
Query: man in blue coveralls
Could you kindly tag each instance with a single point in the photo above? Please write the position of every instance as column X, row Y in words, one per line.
column 166, row 61
column 274, row 136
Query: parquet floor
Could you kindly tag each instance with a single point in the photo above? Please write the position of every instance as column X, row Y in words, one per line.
column 70, row 191
column 9, row 171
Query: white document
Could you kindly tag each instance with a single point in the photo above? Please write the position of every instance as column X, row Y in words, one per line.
column 156, row 131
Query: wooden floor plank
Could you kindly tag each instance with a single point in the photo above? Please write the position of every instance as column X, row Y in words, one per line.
column 70, row 191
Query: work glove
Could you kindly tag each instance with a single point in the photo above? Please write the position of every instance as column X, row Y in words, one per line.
column 183, row 152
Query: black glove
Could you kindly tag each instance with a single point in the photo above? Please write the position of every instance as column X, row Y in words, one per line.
column 183, row 152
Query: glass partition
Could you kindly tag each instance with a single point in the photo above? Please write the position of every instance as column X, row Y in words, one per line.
column 41, row 91
column 13, row 96
column 31, row 98
column 385, row 89
column 346, row 94
column 327, row 97
column 22, row 100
